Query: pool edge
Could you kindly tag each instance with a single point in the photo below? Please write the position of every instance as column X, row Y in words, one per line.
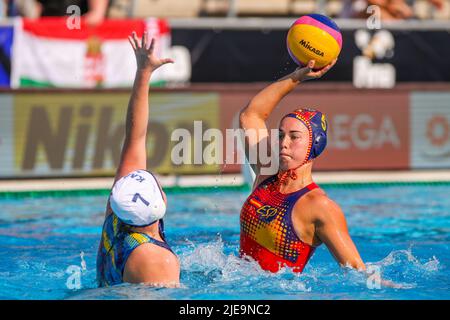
column 201, row 189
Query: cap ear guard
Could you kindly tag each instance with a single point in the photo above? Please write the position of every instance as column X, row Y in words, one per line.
column 318, row 145
column 319, row 128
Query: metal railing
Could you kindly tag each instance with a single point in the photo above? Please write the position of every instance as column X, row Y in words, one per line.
column 231, row 8
column 236, row 23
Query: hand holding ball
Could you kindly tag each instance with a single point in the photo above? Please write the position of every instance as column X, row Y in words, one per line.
column 314, row 37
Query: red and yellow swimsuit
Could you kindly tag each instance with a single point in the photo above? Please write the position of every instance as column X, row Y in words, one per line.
column 267, row 233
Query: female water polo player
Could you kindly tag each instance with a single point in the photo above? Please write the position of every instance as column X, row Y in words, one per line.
column 132, row 246
column 287, row 216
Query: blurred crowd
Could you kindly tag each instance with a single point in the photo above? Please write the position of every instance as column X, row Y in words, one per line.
column 397, row 9
column 97, row 10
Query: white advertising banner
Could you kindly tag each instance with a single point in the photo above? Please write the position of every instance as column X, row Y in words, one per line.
column 6, row 136
column 430, row 129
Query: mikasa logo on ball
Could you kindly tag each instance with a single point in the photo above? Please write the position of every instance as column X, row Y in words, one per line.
column 314, row 36
column 310, row 48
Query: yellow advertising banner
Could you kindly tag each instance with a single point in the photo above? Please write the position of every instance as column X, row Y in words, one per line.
column 78, row 134
column 6, row 135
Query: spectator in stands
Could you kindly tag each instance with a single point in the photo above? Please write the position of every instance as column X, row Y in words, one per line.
column 24, row 8
column 390, row 9
column 94, row 11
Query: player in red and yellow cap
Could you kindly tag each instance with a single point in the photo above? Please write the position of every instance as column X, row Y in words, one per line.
column 287, row 215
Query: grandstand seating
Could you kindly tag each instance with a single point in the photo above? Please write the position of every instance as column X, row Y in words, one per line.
column 120, row 9
column 333, row 8
column 215, row 7
column 424, row 10
column 166, row 8
column 258, row 7
column 299, row 7
column 289, row 8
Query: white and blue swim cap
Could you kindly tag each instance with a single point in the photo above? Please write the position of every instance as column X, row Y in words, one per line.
column 136, row 199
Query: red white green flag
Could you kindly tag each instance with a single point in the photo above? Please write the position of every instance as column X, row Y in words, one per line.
column 46, row 53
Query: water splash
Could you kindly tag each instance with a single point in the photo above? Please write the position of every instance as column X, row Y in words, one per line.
column 432, row 265
column 400, row 270
column 406, row 270
column 407, row 259
column 213, row 270
column 82, row 263
column 206, row 257
column 227, row 271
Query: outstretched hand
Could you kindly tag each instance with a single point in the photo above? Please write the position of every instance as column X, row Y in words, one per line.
column 307, row 73
column 145, row 57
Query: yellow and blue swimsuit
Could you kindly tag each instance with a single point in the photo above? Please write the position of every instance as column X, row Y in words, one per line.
column 116, row 244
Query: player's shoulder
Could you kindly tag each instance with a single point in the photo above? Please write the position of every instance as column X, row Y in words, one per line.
column 150, row 254
column 316, row 197
column 149, row 261
column 148, row 264
column 320, row 205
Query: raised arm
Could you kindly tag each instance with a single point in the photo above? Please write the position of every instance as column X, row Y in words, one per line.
column 253, row 117
column 134, row 155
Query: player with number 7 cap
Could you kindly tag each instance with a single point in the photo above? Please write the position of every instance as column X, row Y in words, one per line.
column 133, row 247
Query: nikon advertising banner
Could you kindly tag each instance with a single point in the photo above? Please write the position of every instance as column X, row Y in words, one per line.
column 63, row 134
column 81, row 134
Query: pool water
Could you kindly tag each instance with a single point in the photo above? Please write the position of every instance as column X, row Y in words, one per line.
column 48, row 248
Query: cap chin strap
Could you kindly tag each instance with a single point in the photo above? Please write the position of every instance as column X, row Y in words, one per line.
column 284, row 175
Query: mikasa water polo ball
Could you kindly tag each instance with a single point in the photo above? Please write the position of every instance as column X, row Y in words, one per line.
column 314, row 37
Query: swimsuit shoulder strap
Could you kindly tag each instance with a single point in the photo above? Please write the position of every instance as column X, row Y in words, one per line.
column 298, row 194
column 135, row 238
column 142, row 238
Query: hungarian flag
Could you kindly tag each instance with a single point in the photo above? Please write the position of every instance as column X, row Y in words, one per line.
column 49, row 52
